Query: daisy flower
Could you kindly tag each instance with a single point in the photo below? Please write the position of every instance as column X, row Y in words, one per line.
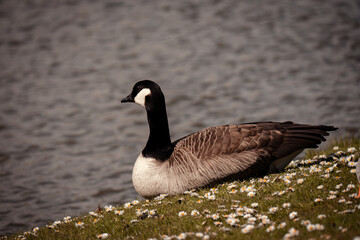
column 215, row 216
column 247, row 229
column 218, row 223
column 338, row 186
column 331, row 197
column 211, row 197
column 207, row 194
column 93, row 214
column 119, row 212
column 305, row 222
column 292, row 215
column 231, row 186
column 109, row 208
column 321, row 216
column 319, row 227
column 233, row 190
column 353, row 171
column 195, row 213
column 286, row 205
column 251, row 220
column 79, row 224
column 273, row 209
column 182, row 214
column 310, row 227
column 335, row 148
column 281, row 225
column 182, row 236
column 287, row 181
column 320, row 187
column 135, row 202
column 152, row 213
column 127, row 205
column 199, row 234
column 232, row 221
column 300, row 181
column 293, row 232
column 351, row 149
column 270, row 228
column 254, row 205
column 352, row 164
column 102, row 236
column 251, row 194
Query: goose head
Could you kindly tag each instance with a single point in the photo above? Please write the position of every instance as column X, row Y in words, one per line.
column 146, row 93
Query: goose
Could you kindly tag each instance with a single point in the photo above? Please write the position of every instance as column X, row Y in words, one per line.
column 214, row 154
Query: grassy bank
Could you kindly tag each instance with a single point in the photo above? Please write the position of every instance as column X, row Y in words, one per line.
column 313, row 198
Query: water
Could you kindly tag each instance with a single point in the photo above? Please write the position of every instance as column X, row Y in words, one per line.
column 67, row 144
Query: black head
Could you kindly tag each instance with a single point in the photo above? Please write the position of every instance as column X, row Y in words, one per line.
column 145, row 93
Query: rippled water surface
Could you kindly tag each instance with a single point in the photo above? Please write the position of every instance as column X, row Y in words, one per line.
column 66, row 142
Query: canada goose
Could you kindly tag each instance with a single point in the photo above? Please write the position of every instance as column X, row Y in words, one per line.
column 213, row 154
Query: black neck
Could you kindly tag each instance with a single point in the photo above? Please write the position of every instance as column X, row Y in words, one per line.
column 159, row 144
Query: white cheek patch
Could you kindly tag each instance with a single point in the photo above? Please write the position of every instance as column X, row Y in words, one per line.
column 140, row 97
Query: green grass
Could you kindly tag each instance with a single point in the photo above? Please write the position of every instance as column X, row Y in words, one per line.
column 342, row 219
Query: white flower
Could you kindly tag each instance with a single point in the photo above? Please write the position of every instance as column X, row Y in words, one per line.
column 118, row 212
column 300, row 181
column 351, row 149
column 338, row 186
column 293, row 232
column 109, row 208
column 251, row 194
column 270, row 228
column 352, row 164
column 195, row 213
column 321, row 216
column 335, row 148
column 232, row 221
column 310, row 227
column 305, row 222
column 199, row 234
column 135, row 202
column 231, row 186
column 353, row 171
column 318, row 200
column 182, row 236
column 127, row 205
column 331, row 197
column 319, row 227
column 217, row 223
column 254, row 205
column 281, row 225
column 79, row 224
column 273, row 209
column 292, row 215
column 251, row 220
column 247, row 229
column 182, row 214
column 286, row 205
column 215, row 216
column 102, row 236
column 93, row 214
column 320, row 187
column 233, row 190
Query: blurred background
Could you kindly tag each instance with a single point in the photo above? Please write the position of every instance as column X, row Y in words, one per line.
column 66, row 142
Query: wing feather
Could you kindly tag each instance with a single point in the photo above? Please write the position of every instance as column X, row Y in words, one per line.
column 246, row 149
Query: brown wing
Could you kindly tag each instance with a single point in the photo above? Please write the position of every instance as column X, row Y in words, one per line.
column 248, row 148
